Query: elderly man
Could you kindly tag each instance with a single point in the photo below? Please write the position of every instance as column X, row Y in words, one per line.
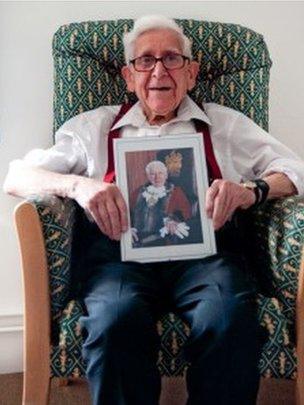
column 124, row 300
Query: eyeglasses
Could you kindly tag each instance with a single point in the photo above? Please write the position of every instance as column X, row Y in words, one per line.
column 171, row 61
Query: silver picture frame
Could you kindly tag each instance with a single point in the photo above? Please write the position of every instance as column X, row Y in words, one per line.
column 164, row 181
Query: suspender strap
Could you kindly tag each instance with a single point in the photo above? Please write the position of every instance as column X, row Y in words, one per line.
column 214, row 171
column 114, row 133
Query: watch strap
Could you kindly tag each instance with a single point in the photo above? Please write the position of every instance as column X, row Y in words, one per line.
column 257, row 196
column 263, row 190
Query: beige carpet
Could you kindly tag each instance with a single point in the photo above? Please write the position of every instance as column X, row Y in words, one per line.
column 272, row 392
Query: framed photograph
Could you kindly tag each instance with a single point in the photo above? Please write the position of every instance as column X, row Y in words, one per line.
column 164, row 182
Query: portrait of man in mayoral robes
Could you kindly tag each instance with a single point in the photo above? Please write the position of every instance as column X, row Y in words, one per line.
column 165, row 192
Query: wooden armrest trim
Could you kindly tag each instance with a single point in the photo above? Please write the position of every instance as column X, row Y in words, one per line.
column 36, row 295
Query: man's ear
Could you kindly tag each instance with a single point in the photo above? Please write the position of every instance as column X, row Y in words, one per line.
column 127, row 74
column 193, row 69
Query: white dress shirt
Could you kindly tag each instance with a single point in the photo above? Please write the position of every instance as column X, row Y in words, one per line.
column 243, row 150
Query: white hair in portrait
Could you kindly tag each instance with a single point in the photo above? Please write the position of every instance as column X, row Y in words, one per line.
column 152, row 22
column 156, row 165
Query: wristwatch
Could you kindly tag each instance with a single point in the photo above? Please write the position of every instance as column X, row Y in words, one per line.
column 260, row 188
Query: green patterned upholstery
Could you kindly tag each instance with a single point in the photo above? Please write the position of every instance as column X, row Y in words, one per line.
column 56, row 228
column 235, row 68
column 280, row 228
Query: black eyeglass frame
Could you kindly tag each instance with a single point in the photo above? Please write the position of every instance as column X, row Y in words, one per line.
column 133, row 61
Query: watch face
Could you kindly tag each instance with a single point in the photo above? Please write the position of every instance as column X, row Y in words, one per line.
column 250, row 184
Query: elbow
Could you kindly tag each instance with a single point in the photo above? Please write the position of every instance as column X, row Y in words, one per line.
column 8, row 186
column 15, row 179
column 12, row 179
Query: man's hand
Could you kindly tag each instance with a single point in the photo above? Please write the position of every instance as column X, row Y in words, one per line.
column 105, row 204
column 171, row 226
column 180, row 229
column 223, row 198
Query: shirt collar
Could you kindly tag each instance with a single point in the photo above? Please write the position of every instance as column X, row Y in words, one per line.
column 187, row 110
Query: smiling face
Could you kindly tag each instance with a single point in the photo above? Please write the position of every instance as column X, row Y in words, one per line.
column 157, row 176
column 160, row 91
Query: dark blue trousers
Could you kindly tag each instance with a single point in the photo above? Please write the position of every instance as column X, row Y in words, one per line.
column 213, row 296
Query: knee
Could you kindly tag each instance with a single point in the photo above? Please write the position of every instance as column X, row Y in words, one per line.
column 116, row 323
column 238, row 317
column 240, row 320
column 226, row 319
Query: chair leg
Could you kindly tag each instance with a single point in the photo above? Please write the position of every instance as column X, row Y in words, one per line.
column 299, row 393
column 36, row 389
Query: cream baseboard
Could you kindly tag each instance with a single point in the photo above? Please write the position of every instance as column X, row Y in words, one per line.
column 11, row 342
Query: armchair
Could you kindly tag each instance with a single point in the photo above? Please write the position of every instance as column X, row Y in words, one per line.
column 235, row 67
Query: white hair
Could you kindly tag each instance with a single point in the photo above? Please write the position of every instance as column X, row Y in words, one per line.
column 152, row 22
column 156, row 164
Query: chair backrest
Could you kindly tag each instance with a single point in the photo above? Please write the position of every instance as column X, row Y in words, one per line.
column 88, row 56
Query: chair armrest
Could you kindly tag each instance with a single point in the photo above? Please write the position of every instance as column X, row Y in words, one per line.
column 37, row 331
column 279, row 236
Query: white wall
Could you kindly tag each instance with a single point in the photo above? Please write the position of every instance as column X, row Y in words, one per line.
column 26, row 29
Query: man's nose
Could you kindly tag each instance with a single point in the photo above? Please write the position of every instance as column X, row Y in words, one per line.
column 159, row 69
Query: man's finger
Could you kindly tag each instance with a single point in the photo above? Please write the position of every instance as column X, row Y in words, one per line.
column 122, row 209
column 103, row 217
column 221, row 209
column 210, row 197
column 114, row 218
column 95, row 215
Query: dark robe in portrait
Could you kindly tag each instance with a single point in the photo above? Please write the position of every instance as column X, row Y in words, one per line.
column 152, row 207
